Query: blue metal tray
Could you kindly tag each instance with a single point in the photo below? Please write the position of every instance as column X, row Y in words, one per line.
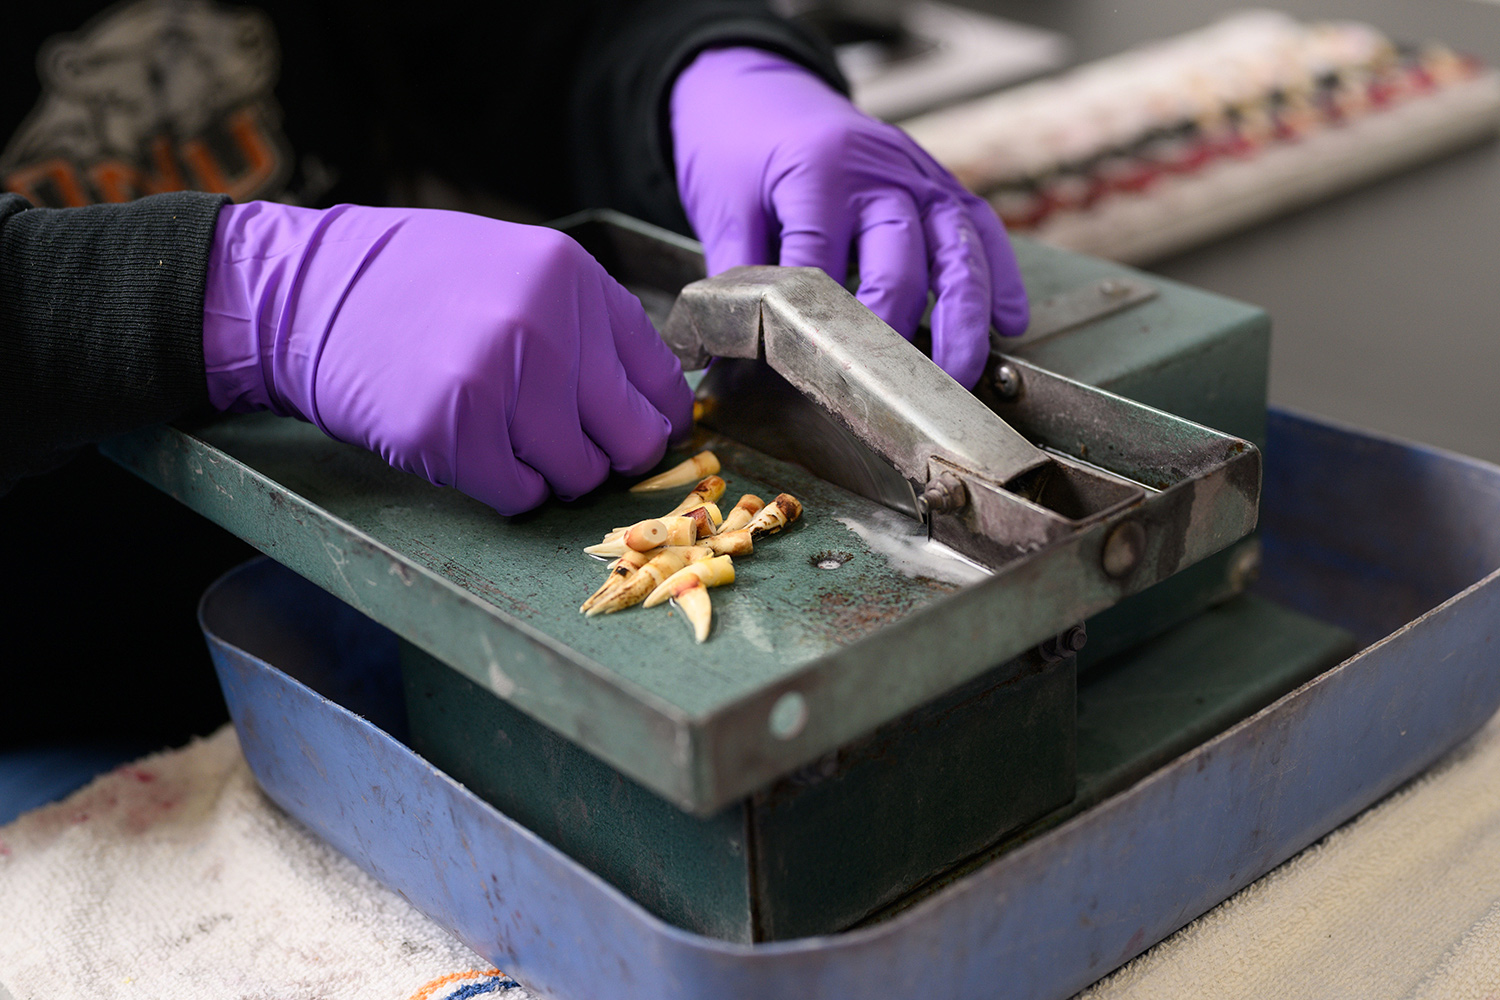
column 1398, row 543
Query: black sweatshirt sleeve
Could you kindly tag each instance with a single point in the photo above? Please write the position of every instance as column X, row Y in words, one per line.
column 621, row 141
column 101, row 322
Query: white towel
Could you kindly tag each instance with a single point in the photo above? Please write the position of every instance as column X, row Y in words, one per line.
column 175, row 878
column 1402, row 902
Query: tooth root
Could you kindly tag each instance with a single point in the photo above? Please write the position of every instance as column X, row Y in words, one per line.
column 702, row 464
column 748, row 507
column 713, row 572
column 775, row 515
column 696, row 608
column 708, row 490
column 731, row 543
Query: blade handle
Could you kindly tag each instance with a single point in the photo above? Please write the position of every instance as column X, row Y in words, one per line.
column 840, row 355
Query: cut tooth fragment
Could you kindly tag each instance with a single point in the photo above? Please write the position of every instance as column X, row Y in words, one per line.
column 776, row 515
column 713, row 572
column 707, row 518
column 696, row 608
column 681, row 530
column 704, row 494
column 748, row 507
column 619, row 571
column 708, row 490
column 639, row 584
column 643, row 536
column 702, row 464
column 731, row 543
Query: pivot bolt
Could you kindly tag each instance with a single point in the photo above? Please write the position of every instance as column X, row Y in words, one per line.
column 1064, row 644
column 1123, row 549
column 1114, row 288
column 944, row 494
column 1007, row 381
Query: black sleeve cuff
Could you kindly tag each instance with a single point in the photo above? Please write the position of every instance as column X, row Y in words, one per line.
column 622, row 144
column 101, row 321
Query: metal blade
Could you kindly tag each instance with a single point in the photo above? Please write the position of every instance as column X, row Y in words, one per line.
column 747, row 401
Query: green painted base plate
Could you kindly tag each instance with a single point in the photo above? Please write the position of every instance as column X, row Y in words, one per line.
column 1142, row 708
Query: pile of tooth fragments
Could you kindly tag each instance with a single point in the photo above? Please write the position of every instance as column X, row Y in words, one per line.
column 679, row 555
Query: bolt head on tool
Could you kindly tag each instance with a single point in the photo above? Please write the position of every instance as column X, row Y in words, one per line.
column 1064, row 644
column 1007, row 382
column 945, row 493
column 1114, row 288
column 1123, row 549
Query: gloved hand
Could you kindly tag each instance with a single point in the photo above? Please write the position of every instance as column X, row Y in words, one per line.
column 775, row 166
column 496, row 358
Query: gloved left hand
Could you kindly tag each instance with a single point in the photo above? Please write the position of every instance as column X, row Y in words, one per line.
column 775, row 166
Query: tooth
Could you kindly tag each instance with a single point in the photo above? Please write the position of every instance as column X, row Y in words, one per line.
column 730, row 543
column 681, row 530
column 748, row 507
column 713, row 572
column 696, row 607
column 775, row 515
column 708, row 490
column 642, row 536
column 619, row 571
column 639, row 584
column 707, row 518
column 702, row 464
column 704, row 494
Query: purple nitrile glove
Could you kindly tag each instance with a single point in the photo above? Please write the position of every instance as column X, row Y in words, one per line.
column 493, row 357
column 775, row 166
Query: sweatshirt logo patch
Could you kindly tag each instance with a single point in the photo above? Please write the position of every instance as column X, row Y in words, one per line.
column 151, row 96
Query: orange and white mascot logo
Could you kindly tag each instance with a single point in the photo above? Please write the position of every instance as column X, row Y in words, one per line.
column 155, row 95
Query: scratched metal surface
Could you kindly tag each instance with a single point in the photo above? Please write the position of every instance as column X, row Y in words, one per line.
column 781, row 612
column 498, row 597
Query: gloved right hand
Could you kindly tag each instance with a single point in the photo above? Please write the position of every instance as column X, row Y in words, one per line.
column 496, row 358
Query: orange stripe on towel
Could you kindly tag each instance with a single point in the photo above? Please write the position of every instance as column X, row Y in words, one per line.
column 428, row 990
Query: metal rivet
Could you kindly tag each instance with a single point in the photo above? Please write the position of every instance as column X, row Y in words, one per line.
column 1113, row 288
column 1007, row 381
column 1123, row 549
column 788, row 716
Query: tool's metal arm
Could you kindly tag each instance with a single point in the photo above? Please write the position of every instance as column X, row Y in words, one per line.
column 841, row 356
